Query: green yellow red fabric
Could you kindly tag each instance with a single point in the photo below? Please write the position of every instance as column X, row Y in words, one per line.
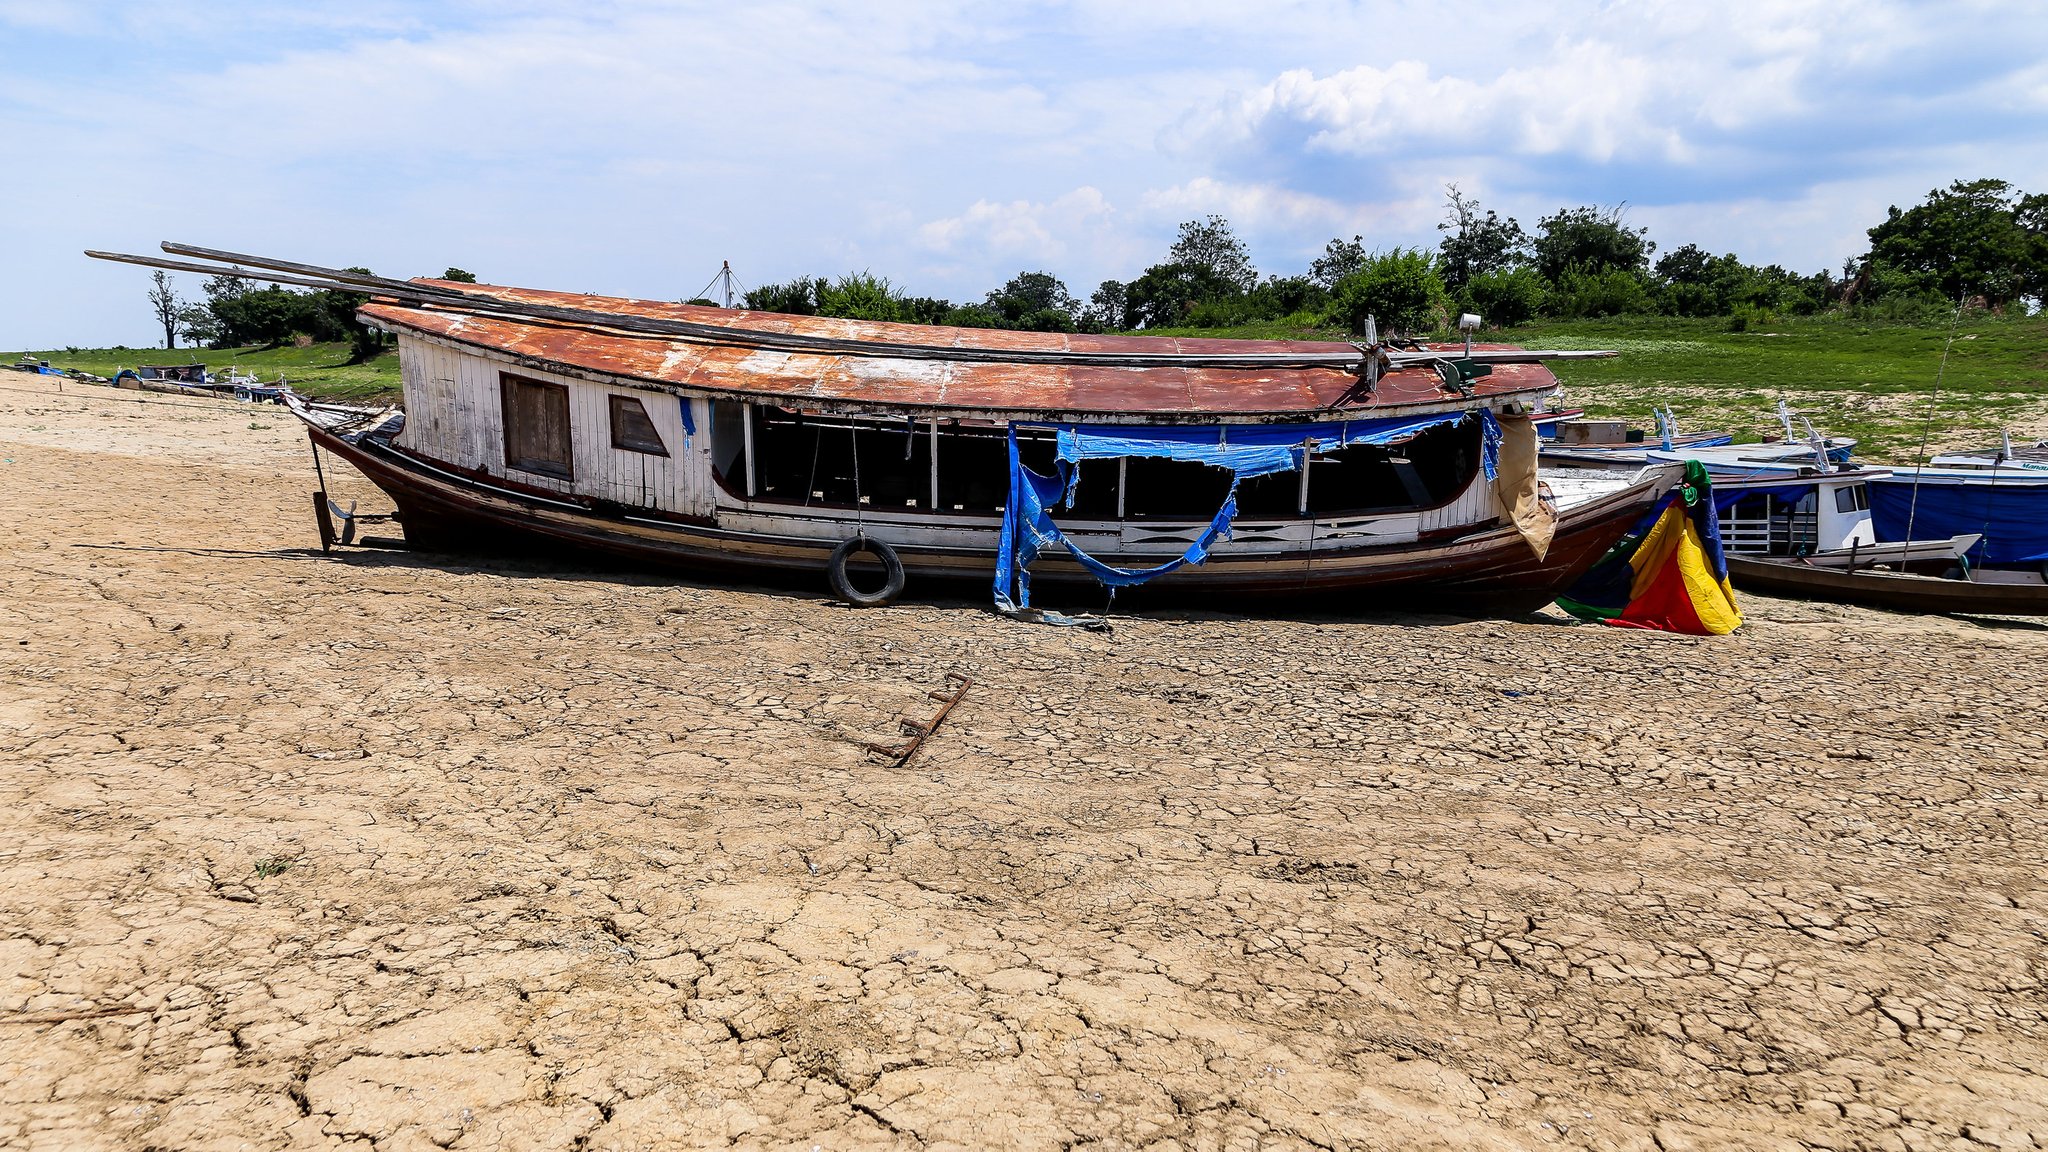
column 1668, row 573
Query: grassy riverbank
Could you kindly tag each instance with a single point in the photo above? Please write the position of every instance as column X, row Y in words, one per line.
column 322, row 371
column 1867, row 379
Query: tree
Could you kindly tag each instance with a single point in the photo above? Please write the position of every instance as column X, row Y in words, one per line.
column 1278, row 296
column 458, row 276
column 1108, row 308
column 197, row 325
column 1590, row 240
column 1400, row 288
column 860, row 296
column 1213, row 246
column 334, row 317
column 799, row 297
column 163, row 300
column 1474, row 245
column 925, row 310
column 1167, row 293
column 1035, row 301
column 1977, row 238
column 1340, row 258
column 1505, row 296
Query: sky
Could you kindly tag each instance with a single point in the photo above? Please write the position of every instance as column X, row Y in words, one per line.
column 629, row 147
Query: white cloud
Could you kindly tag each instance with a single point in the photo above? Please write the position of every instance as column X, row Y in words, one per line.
column 1021, row 229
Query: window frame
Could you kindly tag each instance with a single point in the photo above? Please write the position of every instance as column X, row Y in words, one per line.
column 562, row 469
column 616, row 402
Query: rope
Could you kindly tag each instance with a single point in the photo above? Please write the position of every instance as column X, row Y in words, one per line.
column 853, row 434
column 817, row 446
column 1927, row 424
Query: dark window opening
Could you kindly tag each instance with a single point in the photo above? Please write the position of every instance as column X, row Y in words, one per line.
column 1427, row 470
column 633, row 429
column 810, row 458
column 1173, row 489
column 974, row 464
column 815, row 459
column 1274, row 496
column 536, row 426
column 729, row 444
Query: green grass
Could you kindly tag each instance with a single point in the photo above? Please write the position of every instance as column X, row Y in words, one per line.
column 321, row 371
column 1866, row 379
column 1869, row 380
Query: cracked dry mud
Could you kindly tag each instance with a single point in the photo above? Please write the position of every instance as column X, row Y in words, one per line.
column 404, row 851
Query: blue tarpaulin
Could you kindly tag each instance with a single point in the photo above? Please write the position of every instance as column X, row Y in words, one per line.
column 1783, row 493
column 2013, row 517
column 1244, row 450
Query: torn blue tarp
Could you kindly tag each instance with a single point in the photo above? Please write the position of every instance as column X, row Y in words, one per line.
column 1727, row 498
column 1245, row 450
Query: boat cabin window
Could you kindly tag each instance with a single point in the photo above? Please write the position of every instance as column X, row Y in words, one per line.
column 1852, row 498
column 814, row 459
column 1424, row 471
column 820, row 459
column 633, row 429
column 536, row 426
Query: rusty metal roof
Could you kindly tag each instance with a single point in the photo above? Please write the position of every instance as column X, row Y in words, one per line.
column 938, row 386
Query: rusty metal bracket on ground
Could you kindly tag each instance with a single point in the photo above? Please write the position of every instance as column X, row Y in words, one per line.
column 956, row 687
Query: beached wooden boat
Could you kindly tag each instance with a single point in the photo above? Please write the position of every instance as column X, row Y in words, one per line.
column 1989, row 594
column 714, row 439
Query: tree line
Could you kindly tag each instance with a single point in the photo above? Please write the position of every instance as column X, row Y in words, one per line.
column 236, row 313
column 1981, row 241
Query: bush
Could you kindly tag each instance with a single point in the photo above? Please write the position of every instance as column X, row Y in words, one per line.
column 1746, row 317
column 796, row 298
column 1400, row 288
column 1505, row 297
column 860, row 296
column 1579, row 294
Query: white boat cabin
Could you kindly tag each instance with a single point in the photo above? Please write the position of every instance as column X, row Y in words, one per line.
column 767, row 468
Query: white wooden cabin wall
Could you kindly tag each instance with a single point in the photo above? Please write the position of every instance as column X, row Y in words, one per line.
column 454, row 412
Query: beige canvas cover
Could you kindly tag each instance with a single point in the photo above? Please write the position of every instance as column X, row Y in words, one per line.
column 1514, row 483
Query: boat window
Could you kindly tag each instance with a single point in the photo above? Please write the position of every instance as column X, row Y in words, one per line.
column 1174, row 489
column 633, row 429
column 536, row 426
column 729, row 444
column 816, row 459
column 1845, row 499
column 1270, row 497
column 974, row 471
column 1426, row 470
column 974, row 464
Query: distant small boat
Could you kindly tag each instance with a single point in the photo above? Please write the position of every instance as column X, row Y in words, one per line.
column 1794, row 527
column 2007, row 507
column 29, row 363
column 1981, row 592
column 172, row 378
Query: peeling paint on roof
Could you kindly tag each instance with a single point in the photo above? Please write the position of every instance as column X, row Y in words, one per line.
column 1016, row 391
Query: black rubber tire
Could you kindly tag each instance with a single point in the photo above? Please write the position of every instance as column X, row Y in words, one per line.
column 892, row 570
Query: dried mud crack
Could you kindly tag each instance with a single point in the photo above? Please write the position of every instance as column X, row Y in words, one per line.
column 401, row 851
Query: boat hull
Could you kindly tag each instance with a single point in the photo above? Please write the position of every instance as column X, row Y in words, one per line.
column 1490, row 570
column 1900, row 592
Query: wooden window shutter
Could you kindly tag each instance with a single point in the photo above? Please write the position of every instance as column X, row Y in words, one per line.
column 537, row 427
column 633, row 429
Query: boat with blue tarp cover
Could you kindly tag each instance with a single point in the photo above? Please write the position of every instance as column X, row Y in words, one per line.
column 1382, row 473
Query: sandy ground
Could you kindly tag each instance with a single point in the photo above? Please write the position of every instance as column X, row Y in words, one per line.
column 411, row 851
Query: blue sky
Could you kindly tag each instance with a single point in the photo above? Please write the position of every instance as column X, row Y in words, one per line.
column 627, row 147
